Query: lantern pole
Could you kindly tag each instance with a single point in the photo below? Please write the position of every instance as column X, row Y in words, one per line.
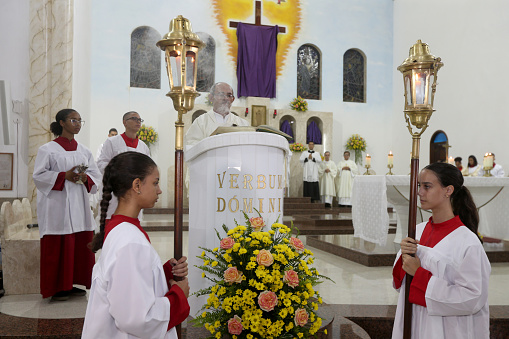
column 178, row 43
column 420, row 67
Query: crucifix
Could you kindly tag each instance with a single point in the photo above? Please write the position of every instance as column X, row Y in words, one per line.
column 258, row 19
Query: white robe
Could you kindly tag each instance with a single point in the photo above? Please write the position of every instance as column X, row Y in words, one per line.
column 206, row 124
column 457, row 293
column 344, row 181
column 471, row 171
column 310, row 171
column 112, row 147
column 327, row 185
column 127, row 297
column 67, row 211
column 497, row 171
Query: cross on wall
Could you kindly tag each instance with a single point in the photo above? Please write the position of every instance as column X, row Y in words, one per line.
column 258, row 19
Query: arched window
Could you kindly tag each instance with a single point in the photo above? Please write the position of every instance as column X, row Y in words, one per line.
column 354, row 75
column 309, row 72
column 206, row 63
column 145, row 58
column 439, row 147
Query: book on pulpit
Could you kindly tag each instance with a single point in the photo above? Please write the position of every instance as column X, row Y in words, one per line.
column 261, row 128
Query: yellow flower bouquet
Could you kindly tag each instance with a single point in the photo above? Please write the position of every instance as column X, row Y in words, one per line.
column 297, row 147
column 299, row 104
column 147, row 134
column 262, row 284
column 357, row 144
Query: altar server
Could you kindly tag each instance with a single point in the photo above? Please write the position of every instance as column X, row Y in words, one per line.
column 311, row 160
column 497, row 171
column 328, row 172
column 133, row 295
column 472, row 170
column 449, row 290
column 347, row 170
column 65, row 220
column 127, row 141
column 221, row 96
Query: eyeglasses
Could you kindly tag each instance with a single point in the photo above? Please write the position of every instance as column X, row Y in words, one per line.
column 136, row 119
column 224, row 95
column 76, row 122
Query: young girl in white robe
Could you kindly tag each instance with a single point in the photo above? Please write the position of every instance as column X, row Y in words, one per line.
column 133, row 295
column 449, row 289
column 66, row 225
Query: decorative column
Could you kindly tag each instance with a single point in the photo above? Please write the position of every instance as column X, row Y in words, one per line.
column 51, row 62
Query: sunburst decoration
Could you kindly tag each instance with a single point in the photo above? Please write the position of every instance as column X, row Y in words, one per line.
column 287, row 14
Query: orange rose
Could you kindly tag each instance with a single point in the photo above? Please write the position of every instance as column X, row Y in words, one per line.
column 267, row 300
column 297, row 244
column 235, row 325
column 257, row 223
column 264, row 258
column 227, row 243
column 301, row 317
column 232, row 275
column 291, row 278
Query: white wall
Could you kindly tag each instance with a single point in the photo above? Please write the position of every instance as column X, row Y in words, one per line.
column 14, row 66
column 470, row 37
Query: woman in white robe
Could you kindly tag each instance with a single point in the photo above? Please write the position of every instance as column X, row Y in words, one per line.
column 133, row 295
column 65, row 220
column 472, row 169
column 449, row 289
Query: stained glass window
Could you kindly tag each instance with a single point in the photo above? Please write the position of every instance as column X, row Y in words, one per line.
column 145, row 58
column 206, row 63
column 308, row 72
column 354, row 71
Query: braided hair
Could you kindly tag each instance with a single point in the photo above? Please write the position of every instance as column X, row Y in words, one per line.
column 118, row 177
column 55, row 126
column 461, row 200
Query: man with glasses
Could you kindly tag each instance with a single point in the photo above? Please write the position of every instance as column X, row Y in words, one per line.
column 125, row 142
column 221, row 96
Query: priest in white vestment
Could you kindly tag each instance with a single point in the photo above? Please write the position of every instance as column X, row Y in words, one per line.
column 126, row 142
column 221, row 95
column 497, row 171
column 310, row 161
column 347, row 170
column 328, row 172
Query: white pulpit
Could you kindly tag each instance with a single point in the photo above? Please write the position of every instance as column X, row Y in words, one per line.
column 230, row 174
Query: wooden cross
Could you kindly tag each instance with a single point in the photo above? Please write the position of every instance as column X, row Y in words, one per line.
column 258, row 19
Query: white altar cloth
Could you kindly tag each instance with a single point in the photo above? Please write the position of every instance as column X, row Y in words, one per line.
column 491, row 196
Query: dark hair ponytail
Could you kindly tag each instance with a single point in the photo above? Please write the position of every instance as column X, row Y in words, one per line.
column 118, row 177
column 461, row 200
column 55, row 126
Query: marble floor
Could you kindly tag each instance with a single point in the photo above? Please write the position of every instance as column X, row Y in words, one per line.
column 354, row 284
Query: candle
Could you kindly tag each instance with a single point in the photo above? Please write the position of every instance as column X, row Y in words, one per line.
column 488, row 160
column 390, row 158
column 451, row 160
column 368, row 160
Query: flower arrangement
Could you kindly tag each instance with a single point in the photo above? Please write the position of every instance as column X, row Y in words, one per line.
column 299, row 104
column 262, row 284
column 358, row 144
column 297, row 147
column 147, row 134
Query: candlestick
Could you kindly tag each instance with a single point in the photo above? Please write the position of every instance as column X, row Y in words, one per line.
column 367, row 169
column 390, row 158
column 390, row 166
column 488, row 164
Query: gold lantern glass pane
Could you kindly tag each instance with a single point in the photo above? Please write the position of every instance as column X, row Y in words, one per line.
column 430, row 95
column 190, row 69
column 176, row 68
column 408, row 90
column 420, row 85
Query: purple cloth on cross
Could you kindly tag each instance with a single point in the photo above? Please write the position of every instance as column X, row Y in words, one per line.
column 313, row 134
column 286, row 128
column 256, row 60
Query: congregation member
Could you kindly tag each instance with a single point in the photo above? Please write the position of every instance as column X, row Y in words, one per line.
column 473, row 168
column 125, row 142
column 66, row 225
column 310, row 161
column 450, row 269
column 133, row 295
column 221, row 96
column 497, row 171
column 457, row 162
column 111, row 133
column 328, row 172
column 347, row 170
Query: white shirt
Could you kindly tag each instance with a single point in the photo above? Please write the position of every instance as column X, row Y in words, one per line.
column 310, row 171
column 457, row 293
column 327, row 185
column 67, row 211
column 127, row 297
column 112, row 147
column 207, row 123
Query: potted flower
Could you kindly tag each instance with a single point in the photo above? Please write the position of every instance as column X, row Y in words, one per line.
column 357, row 144
column 148, row 135
column 299, row 104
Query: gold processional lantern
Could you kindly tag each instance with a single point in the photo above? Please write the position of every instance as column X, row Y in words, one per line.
column 181, row 46
column 420, row 71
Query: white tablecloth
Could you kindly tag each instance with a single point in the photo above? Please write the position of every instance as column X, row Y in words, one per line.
column 491, row 195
